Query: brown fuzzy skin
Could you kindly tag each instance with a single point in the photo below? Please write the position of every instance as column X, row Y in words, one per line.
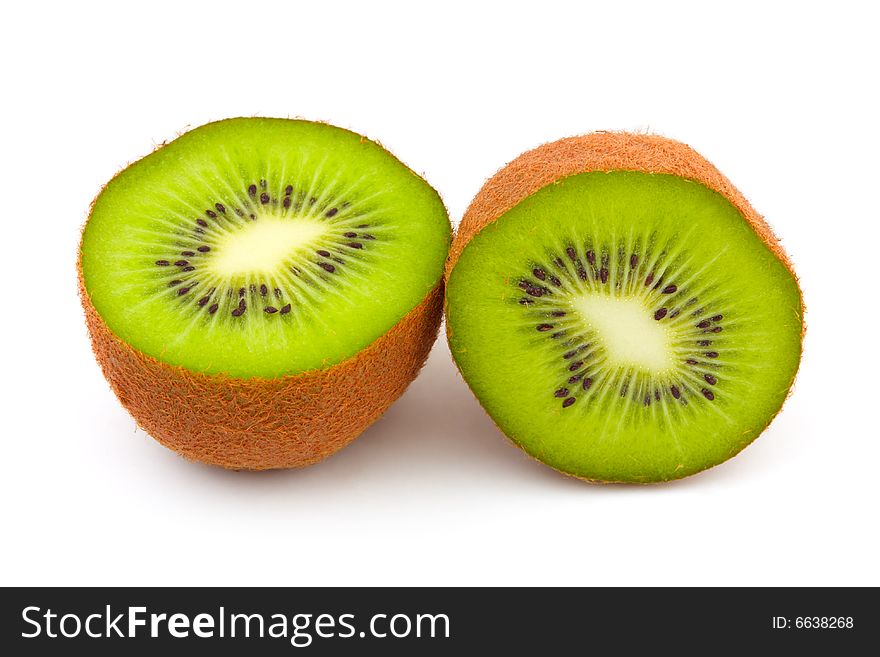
column 258, row 424
column 600, row 151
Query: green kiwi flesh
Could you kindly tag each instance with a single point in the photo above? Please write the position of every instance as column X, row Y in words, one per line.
column 262, row 248
column 625, row 326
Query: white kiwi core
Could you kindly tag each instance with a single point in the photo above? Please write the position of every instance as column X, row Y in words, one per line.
column 263, row 245
column 627, row 331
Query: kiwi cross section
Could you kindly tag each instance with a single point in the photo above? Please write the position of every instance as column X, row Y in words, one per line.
column 262, row 248
column 625, row 326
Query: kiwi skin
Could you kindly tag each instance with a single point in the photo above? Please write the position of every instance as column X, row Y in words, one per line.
column 264, row 423
column 260, row 424
column 602, row 151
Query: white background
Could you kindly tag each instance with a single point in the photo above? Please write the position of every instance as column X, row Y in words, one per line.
column 781, row 97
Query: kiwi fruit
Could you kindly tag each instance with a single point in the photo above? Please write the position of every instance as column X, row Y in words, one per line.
column 620, row 310
column 258, row 291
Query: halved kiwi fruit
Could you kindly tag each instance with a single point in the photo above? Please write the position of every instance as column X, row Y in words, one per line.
column 620, row 310
column 258, row 291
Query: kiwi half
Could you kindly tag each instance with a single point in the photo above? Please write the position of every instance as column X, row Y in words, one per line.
column 259, row 291
column 620, row 310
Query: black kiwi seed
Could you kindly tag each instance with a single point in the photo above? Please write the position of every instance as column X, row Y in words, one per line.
column 252, row 190
column 603, row 275
column 587, row 383
column 649, row 279
column 331, row 212
column 264, row 290
column 562, row 392
column 181, row 263
column 568, row 402
column 711, row 380
column 711, row 354
column 270, row 309
column 708, row 394
column 704, row 343
column 349, row 234
column 675, row 391
column 213, row 308
column 539, row 273
column 288, row 190
column 264, row 198
column 558, row 313
column 174, row 282
column 204, row 300
column 633, row 261
column 669, row 289
column 286, row 202
column 285, row 309
column 202, row 223
column 356, row 245
column 591, row 257
column 323, row 253
column 162, row 263
column 190, row 268
column 544, row 327
column 220, row 207
column 717, row 318
column 691, row 361
column 575, row 378
column 717, row 329
column 240, row 310
column 660, row 314
column 326, row 266
column 203, row 249
column 574, row 367
column 187, row 254
column 211, row 214
column 704, row 324
column 367, row 237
